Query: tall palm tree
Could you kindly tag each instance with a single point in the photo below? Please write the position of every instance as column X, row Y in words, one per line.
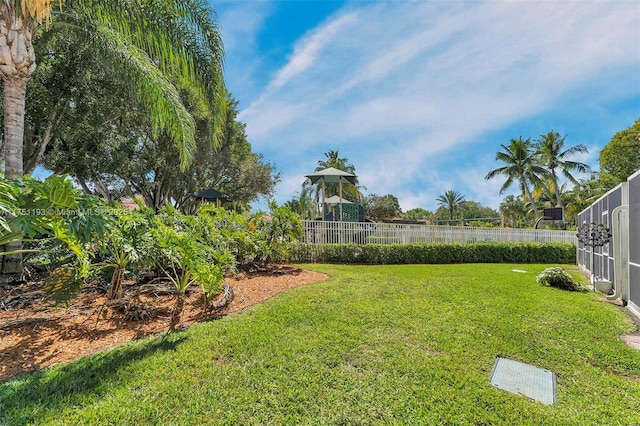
column 149, row 46
column 452, row 201
column 551, row 154
column 520, row 166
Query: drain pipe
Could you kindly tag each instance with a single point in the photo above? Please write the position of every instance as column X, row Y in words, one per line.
column 620, row 217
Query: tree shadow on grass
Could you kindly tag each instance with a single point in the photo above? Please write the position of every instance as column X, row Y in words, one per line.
column 24, row 399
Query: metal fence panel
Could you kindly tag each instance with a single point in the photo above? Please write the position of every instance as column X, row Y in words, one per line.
column 329, row 232
column 634, row 238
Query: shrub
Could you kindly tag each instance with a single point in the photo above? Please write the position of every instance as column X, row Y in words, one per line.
column 557, row 277
column 435, row 253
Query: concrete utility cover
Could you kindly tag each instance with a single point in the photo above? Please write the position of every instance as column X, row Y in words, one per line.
column 519, row 270
column 517, row 377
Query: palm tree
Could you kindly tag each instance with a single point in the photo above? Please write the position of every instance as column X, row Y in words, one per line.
column 452, row 201
column 551, row 154
column 148, row 46
column 170, row 38
column 520, row 166
column 333, row 159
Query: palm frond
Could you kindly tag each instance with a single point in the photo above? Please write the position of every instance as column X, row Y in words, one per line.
column 154, row 91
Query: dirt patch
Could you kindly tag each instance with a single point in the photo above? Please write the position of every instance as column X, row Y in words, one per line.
column 35, row 334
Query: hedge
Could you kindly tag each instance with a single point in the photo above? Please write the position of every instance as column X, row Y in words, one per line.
column 423, row 253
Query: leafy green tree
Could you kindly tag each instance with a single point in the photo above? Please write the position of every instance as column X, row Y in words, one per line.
column 382, row 207
column 620, row 158
column 416, row 214
column 521, row 167
column 452, row 201
column 120, row 156
column 551, row 154
column 513, row 209
column 475, row 210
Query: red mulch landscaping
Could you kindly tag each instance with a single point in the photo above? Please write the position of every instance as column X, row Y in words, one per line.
column 35, row 334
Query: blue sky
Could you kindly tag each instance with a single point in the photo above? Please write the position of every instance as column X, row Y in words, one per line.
column 419, row 95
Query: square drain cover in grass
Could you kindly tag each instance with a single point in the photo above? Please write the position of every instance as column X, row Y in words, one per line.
column 517, row 377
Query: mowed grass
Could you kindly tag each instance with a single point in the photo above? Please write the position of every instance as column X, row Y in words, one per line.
column 409, row 344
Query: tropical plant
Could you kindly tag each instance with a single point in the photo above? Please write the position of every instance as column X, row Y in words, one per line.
column 551, row 154
column 276, row 232
column 452, row 201
column 53, row 210
column 192, row 250
column 521, row 167
column 7, row 209
column 127, row 244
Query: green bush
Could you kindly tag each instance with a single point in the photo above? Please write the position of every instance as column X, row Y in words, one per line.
column 557, row 277
column 435, row 253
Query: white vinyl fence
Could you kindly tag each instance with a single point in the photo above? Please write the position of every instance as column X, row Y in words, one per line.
column 329, row 232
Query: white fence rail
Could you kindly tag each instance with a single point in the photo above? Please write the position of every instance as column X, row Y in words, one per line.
column 329, row 232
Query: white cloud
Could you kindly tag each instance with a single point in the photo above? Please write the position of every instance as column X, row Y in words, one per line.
column 307, row 51
column 399, row 87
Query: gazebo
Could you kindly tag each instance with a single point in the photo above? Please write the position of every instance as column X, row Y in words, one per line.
column 211, row 195
column 333, row 175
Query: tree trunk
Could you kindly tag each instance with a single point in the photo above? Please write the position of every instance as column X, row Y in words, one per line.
column 531, row 200
column 34, row 155
column 177, row 311
column 15, row 90
column 557, row 192
column 17, row 63
column 14, row 101
column 115, row 288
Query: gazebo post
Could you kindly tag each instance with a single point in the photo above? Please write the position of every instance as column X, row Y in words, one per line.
column 324, row 226
column 340, row 190
column 341, row 218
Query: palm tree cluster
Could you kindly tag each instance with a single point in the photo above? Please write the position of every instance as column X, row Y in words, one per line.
column 537, row 166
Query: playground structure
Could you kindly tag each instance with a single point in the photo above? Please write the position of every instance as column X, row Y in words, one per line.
column 335, row 207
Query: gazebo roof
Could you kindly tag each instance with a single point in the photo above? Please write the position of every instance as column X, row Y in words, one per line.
column 211, row 194
column 332, row 175
column 337, row 200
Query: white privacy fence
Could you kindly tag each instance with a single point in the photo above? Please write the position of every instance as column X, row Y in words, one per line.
column 329, row 232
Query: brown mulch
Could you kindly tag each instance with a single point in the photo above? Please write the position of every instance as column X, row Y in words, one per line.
column 35, row 334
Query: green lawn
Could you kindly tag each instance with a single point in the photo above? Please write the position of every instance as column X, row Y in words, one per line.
column 373, row 345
